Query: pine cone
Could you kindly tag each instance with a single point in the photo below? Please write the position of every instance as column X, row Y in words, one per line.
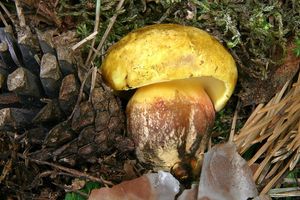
column 38, row 99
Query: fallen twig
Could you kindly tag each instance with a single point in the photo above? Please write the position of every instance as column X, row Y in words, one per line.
column 74, row 172
column 233, row 125
column 7, row 13
column 3, row 19
column 88, row 38
column 80, row 93
column 20, row 13
column 93, row 82
column 107, row 31
column 96, row 27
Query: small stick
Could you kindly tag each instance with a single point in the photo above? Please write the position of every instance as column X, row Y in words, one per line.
column 275, row 179
column 107, row 31
column 7, row 13
column 80, row 93
column 90, row 37
column 3, row 19
column 9, row 98
column 7, row 168
column 233, row 125
column 276, row 105
column 167, row 13
column 74, row 172
column 20, row 13
column 93, row 82
column 97, row 22
column 250, row 120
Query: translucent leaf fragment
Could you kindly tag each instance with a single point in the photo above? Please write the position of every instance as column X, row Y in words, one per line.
column 225, row 175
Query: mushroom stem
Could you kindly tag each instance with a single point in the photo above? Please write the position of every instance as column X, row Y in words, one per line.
column 168, row 121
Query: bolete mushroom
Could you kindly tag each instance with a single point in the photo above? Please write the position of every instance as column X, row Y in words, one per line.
column 182, row 75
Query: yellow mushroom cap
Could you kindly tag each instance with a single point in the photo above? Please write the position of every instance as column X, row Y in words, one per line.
column 165, row 52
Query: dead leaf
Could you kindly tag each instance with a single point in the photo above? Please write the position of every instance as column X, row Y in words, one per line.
column 153, row 186
column 129, row 170
column 225, row 175
column 6, row 170
column 77, row 184
column 45, row 9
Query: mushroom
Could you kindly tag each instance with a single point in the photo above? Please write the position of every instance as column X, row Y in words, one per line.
column 182, row 76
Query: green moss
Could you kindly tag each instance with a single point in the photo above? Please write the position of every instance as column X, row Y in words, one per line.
column 255, row 31
column 297, row 48
column 89, row 186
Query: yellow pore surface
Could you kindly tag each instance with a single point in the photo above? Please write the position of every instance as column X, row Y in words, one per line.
column 188, row 89
column 164, row 52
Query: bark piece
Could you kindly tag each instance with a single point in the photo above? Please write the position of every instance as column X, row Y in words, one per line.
column 23, row 82
column 15, row 118
column 8, row 100
column 68, row 93
column 50, row 75
column 64, row 56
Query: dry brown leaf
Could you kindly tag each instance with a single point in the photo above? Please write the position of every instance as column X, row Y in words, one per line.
column 129, row 170
column 45, row 9
column 153, row 186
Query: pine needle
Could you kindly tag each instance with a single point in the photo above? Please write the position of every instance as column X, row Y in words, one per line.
column 276, row 128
